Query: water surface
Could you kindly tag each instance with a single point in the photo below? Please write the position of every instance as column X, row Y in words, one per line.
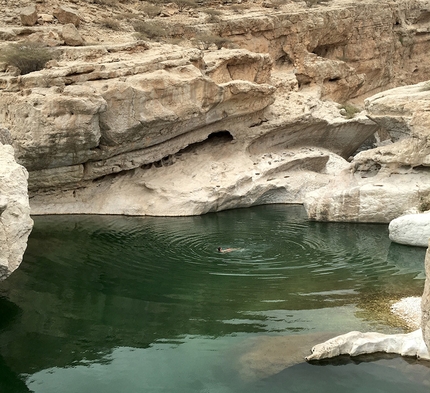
column 145, row 304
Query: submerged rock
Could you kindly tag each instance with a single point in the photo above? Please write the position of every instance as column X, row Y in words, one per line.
column 416, row 344
column 265, row 356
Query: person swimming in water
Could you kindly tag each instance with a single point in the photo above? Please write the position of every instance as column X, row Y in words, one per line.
column 226, row 249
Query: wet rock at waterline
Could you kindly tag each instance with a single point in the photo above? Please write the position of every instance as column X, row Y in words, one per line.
column 15, row 221
column 357, row 343
column 415, row 344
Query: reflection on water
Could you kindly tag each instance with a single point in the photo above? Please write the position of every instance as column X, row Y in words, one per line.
column 108, row 304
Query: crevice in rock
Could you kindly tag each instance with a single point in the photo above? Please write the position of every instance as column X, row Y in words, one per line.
column 369, row 169
column 283, row 61
column 219, row 137
column 328, row 51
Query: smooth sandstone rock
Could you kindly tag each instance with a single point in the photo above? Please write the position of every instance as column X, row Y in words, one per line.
column 15, row 221
column 411, row 229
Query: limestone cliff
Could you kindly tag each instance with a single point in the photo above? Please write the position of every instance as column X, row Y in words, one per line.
column 15, row 222
column 120, row 125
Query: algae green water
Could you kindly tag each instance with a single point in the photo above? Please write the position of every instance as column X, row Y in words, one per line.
column 146, row 304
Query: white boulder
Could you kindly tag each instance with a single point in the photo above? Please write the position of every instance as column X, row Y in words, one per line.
column 357, row 343
column 411, row 229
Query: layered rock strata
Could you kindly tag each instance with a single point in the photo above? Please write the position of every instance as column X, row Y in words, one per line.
column 150, row 129
column 391, row 180
column 15, row 221
column 386, row 46
column 237, row 127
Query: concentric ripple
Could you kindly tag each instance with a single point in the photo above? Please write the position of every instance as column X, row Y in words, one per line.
column 274, row 243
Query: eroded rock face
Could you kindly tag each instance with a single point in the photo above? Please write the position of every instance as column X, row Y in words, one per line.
column 164, row 130
column 67, row 15
column 171, row 130
column 386, row 47
column 15, row 221
column 71, row 35
column 384, row 183
column 425, row 304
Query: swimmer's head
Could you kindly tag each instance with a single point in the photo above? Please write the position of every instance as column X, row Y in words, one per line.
column 219, row 249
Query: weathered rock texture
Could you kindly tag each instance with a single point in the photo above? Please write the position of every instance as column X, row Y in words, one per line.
column 425, row 304
column 67, row 15
column 168, row 131
column 15, row 221
column 384, row 183
column 348, row 48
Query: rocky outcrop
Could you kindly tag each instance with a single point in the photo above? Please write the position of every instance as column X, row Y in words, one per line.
column 411, row 229
column 425, row 304
column 386, row 48
column 384, row 183
column 15, row 221
column 168, row 131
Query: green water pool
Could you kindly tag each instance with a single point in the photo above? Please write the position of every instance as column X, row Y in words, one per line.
column 147, row 304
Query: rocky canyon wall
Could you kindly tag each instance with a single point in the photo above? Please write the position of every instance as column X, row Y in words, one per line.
column 137, row 127
column 347, row 48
